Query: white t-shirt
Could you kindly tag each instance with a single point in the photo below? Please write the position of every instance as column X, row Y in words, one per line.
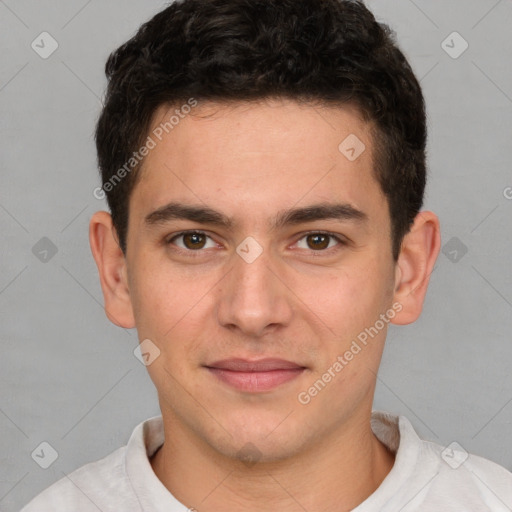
column 425, row 477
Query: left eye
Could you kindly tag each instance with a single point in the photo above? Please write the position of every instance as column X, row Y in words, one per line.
column 319, row 241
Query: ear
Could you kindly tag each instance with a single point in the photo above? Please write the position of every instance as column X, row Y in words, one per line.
column 111, row 265
column 418, row 254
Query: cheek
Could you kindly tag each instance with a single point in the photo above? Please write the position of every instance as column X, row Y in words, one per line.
column 346, row 294
column 155, row 298
column 350, row 301
column 168, row 309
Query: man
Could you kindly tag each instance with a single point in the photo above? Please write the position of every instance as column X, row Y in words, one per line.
column 264, row 164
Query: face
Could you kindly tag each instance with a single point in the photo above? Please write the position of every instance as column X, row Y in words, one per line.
column 289, row 260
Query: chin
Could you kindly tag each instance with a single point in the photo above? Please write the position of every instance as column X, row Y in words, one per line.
column 262, row 441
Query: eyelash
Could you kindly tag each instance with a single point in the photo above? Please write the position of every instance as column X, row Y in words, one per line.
column 197, row 253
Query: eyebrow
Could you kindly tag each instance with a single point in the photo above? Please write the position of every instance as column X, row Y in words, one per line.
column 293, row 216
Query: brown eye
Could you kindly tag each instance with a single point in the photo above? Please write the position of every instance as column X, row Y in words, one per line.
column 191, row 241
column 321, row 242
column 194, row 240
column 318, row 241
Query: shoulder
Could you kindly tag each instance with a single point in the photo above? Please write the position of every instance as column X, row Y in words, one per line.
column 428, row 476
column 470, row 475
column 88, row 488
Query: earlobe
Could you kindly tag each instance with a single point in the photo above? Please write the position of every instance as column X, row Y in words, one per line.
column 420, row 248
column 111, row 265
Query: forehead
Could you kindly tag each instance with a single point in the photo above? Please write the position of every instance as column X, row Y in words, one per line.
column 259, row 157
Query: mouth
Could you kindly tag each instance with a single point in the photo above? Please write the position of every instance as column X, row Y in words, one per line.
column 255, row 376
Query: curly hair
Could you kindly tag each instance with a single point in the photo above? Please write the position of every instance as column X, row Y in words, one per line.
column 331, row 52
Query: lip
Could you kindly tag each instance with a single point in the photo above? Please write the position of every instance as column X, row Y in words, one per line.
column 260, row 365
column 255, row 376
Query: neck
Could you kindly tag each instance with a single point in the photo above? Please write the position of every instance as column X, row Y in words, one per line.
column 336, row 473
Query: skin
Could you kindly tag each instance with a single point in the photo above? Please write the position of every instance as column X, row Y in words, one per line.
column 295, row 302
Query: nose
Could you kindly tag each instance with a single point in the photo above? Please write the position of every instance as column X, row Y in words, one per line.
column 254, row 297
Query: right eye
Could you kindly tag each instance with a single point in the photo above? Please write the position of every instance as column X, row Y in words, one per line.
column 192, row 241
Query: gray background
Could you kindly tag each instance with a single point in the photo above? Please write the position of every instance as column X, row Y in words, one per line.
column 69, row 377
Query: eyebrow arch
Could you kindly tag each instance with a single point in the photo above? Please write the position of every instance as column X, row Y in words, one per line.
column 294, row 216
